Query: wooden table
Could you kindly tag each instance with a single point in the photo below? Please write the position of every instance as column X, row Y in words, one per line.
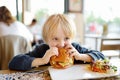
column 13, row 71
column 46, row 76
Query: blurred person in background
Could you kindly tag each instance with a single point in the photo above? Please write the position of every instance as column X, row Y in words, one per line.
column 35, row 29
column 10, row 26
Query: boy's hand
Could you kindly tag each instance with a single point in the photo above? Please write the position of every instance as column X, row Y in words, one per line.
column 50, row 52
column 72, row 51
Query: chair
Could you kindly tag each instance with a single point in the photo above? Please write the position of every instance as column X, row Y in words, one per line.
column 110, row 47
column 10, row 46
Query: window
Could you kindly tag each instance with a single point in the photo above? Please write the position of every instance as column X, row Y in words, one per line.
column 12, row 7
column 40, row 9
column 100, row 12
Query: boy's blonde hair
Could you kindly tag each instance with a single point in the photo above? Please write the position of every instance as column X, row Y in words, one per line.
column 52, row 23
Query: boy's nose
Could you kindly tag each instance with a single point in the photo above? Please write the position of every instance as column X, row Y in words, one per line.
column 61, row 44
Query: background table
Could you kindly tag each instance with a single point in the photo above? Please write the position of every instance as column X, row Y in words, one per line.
column 97, row 36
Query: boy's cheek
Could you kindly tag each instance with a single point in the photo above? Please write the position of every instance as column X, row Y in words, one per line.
column 51, row 44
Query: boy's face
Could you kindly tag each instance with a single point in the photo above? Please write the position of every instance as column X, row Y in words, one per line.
column 59, row 39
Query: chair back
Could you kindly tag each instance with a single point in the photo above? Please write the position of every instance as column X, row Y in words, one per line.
column 110, row 44
column 10, row 46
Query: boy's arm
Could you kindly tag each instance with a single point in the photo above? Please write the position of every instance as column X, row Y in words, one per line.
column 21, row 62
column 24, row 61
column 95, row 55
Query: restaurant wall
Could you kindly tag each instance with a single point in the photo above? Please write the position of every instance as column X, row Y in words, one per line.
column 80, row 27
column 79, row 22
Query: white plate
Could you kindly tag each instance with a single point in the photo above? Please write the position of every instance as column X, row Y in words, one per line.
column 77, row 72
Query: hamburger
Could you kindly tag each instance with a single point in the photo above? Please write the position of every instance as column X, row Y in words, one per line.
column 63, row 60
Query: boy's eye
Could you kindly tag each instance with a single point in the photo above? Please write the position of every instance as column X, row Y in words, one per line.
column 55, row 38
column 67, row 38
